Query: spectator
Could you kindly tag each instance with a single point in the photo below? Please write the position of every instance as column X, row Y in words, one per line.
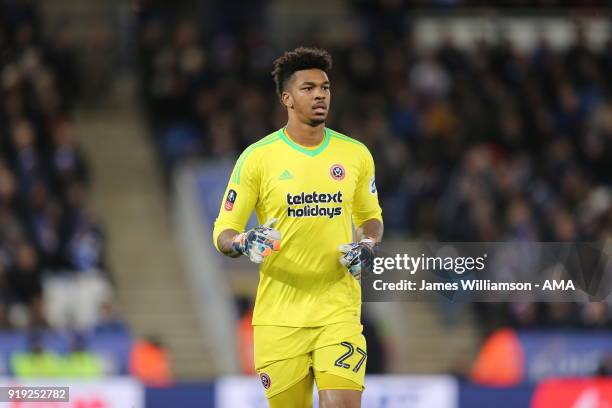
column 500, row 361
column 25, row 288
column 605, row 368
column 68, row 162
column 244, row 336
column 377, row 355
column 150, row 362
column 28, row 162
column 80, row 362
column 36, row 362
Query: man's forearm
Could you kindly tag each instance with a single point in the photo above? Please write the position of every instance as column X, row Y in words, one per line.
column 225, row 243
column 371, row 229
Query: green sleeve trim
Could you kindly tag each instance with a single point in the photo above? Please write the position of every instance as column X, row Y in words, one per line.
column 263, row 142
column 302, row 149
column 346, row 138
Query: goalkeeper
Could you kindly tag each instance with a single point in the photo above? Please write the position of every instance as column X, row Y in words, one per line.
column 310, row 188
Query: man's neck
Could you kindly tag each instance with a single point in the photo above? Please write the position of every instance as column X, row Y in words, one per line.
column 304, row 134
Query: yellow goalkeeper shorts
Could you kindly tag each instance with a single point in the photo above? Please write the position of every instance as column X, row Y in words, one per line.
column 285, row 355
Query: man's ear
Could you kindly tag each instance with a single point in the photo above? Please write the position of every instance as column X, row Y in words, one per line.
column 287, row 100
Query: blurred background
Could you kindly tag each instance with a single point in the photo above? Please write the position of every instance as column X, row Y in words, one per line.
column 120, row 122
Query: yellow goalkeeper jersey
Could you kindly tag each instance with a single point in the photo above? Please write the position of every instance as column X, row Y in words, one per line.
column 317, row 194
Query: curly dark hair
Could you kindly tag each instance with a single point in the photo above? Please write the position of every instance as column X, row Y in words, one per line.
column 297, row 60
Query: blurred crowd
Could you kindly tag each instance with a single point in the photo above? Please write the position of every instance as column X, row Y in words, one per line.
column 52, row 269
column 391, row 6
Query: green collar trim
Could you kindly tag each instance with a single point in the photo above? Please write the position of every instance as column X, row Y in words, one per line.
column 309, row 152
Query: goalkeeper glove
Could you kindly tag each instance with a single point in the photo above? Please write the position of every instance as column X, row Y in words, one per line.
column 259, row 242
column 357, row 256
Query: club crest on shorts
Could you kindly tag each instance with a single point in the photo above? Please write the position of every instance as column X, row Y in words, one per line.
column 265, row 380
column 230, row 200
column 337, row 172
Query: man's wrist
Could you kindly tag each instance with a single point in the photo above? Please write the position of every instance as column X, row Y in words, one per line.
column 237, row 247
column 369, row 241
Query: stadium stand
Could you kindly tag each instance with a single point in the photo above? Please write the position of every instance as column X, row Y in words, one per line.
column 53, row 277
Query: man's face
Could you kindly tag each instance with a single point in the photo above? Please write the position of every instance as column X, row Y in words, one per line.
column 308, row 95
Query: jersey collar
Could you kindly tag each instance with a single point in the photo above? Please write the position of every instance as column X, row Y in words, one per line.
column 309, row 152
